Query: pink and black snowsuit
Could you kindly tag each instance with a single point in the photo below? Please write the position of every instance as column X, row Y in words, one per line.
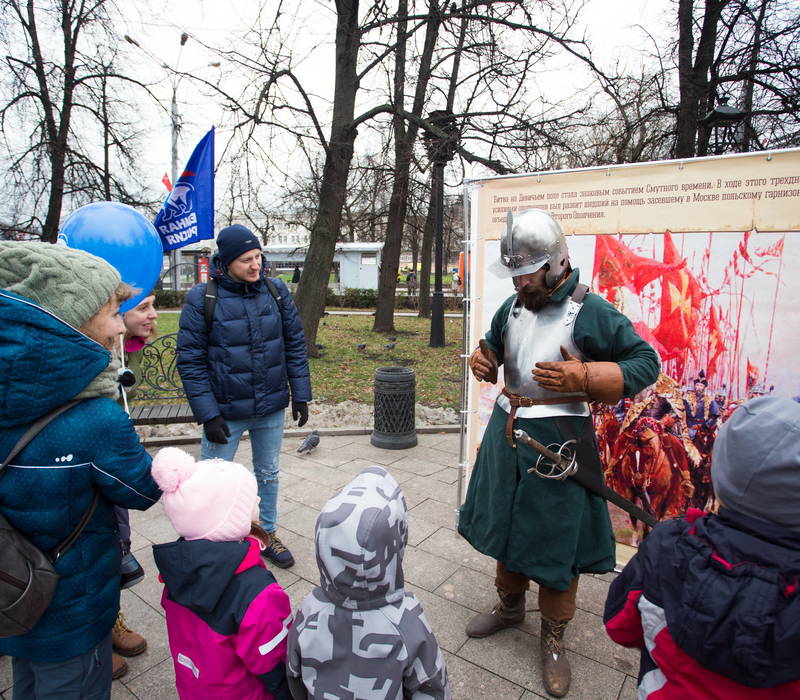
column 227, row 620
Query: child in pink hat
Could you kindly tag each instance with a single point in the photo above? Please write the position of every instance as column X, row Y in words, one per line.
column 227, row 617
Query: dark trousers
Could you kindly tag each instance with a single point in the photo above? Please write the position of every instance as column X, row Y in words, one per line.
column 124, row 527
column 553, row 604
column 83, row 677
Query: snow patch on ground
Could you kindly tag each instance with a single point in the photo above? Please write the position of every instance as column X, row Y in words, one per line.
column 347, row 414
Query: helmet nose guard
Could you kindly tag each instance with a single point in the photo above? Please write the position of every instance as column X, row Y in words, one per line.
column 530, row 240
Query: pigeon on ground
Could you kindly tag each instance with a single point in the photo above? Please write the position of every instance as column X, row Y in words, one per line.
column 309, row 442
column 389, row 346
column 392, row 338
column 361, row 346
column 319, row 346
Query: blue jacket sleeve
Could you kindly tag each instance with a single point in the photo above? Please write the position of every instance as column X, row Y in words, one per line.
column 121, row 466
column 294, row 342
column 192, row 357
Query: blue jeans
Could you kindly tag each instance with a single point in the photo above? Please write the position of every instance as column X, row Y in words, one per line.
column 83, row 677
column 266, row 435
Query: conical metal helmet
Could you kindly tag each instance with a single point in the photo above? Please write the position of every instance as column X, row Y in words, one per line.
column 532, row 239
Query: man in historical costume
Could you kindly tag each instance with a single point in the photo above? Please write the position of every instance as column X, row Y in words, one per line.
column 702, row 409
column 560, row 347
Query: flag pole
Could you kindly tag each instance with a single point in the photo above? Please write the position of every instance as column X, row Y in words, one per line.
column 774, row 305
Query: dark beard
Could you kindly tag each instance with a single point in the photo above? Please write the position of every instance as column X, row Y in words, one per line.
column 533, row 300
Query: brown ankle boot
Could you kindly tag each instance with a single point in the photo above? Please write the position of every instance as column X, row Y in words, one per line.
column 124, row 640
column 556, row 673
column 508, row 612
column 119, row 667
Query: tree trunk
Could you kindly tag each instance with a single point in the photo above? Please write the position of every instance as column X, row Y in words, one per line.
column 748, row 133
column 313, row 285
column 693, row 78
column 425, row 264
column 405, row 136
column 57, row 133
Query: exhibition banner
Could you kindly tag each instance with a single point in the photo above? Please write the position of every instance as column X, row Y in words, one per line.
column 698, row 255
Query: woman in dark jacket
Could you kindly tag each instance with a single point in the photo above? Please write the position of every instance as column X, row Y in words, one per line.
column 59, row 319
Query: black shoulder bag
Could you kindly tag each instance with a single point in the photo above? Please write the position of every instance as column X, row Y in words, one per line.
column 27, row 577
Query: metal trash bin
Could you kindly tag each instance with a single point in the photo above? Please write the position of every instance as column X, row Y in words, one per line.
column 395, row 397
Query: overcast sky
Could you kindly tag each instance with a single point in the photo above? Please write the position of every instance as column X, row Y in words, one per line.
column 610, row 27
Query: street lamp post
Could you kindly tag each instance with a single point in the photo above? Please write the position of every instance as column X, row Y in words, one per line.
column 175, row 123
column 441, row 149
column 723, row 120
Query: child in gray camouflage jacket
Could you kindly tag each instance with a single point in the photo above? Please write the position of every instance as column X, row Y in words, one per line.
column 359, row 634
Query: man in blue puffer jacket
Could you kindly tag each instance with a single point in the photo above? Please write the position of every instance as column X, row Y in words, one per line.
column 59, row 319
column 238, row 370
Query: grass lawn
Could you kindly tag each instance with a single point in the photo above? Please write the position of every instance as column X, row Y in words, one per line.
column 343, row 372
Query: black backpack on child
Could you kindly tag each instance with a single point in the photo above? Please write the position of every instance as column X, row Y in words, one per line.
column 27, row 577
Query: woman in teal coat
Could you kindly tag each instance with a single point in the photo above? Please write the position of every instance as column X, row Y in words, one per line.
column 59, row 319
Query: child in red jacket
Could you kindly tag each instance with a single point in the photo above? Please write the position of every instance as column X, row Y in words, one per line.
column 713, row 601
column 227, row 617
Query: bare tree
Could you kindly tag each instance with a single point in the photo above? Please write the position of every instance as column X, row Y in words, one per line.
column 61, row 77
column 413, row 45
column 746, row 49
column 405, row 135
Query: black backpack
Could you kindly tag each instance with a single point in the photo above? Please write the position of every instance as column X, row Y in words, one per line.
column 27, row 577
column 210, row 299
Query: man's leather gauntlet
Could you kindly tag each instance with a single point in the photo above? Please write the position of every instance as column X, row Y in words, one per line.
column 483, row 363
column 600, row 381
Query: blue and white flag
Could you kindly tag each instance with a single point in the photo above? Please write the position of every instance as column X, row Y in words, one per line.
column 188, row 212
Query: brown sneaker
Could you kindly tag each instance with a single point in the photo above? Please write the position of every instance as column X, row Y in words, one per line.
column 124, row 640
column 119, row 667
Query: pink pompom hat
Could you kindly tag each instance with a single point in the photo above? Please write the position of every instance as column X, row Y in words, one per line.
column 208, row 500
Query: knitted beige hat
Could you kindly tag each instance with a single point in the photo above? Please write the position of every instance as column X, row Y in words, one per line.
column 71, row 284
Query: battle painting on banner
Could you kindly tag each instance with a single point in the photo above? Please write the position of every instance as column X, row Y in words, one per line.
column 713, row 296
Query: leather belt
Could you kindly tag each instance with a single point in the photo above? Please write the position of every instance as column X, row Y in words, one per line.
column 526, row 401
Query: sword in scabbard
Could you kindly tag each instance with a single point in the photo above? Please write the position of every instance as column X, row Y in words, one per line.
column 562, row 464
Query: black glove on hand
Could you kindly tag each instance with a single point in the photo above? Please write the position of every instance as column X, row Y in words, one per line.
column 300, row 412
column 217, row 430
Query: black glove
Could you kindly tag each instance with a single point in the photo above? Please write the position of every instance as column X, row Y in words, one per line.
column 300, row 412
column 217, row 430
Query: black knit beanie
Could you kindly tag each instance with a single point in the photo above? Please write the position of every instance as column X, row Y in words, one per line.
column 234, row 241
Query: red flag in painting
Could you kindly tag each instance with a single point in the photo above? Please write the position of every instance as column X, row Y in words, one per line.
column 716, row 344
column 616, row 265
column 775, row 250
column 166, row 182
column 752, row 375
column 680, row 303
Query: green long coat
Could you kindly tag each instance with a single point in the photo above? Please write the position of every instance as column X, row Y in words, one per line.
column 549, row 530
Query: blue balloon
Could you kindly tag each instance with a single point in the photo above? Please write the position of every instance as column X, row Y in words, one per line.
column 122, row 237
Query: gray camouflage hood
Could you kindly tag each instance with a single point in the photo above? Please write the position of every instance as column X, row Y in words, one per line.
column 359, row 634
column 361, row 534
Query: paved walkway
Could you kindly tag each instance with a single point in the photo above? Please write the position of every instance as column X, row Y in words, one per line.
column 451, row 580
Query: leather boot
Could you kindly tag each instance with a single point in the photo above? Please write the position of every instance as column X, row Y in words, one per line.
column 124, row 640
column 556, row 673
column 119, row 667
column 508, row 612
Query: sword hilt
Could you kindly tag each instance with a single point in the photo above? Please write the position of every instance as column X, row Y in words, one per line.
column 558, row 463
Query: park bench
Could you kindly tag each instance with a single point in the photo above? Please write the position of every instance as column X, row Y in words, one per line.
column 159, row 397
